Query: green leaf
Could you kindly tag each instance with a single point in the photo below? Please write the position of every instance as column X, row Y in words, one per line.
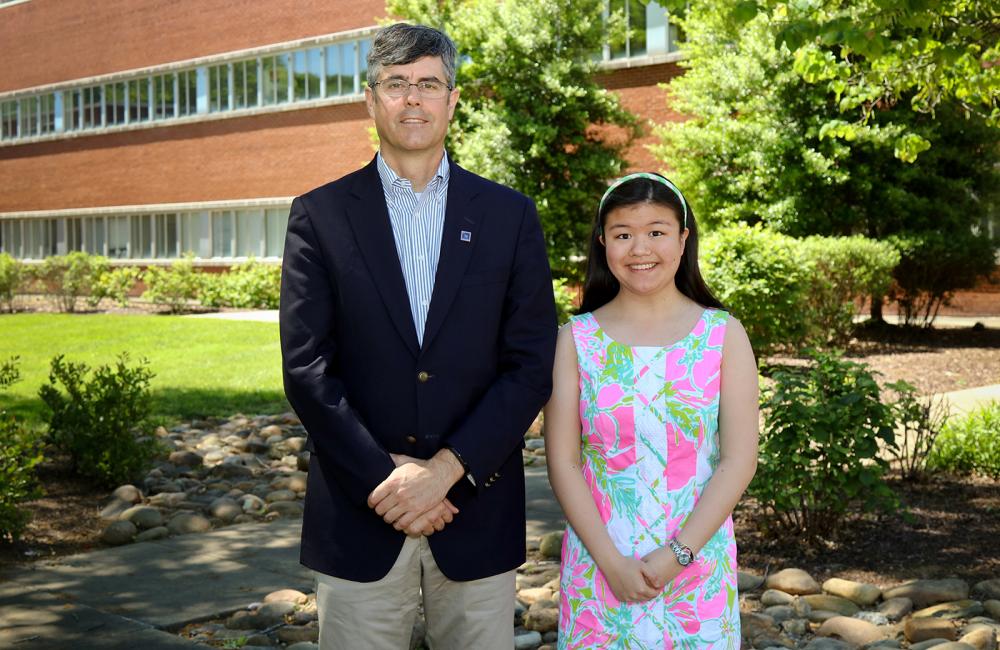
column 909, row 146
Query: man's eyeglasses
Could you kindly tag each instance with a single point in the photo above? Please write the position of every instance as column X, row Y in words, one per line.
column 428, row 88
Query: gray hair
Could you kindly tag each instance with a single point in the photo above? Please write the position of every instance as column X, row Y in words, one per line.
column 403, row 43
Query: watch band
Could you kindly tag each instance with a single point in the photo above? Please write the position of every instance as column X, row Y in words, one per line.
column 465, row 465
column 684, row 554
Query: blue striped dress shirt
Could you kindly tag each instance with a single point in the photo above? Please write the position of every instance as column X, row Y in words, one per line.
column 417, row 222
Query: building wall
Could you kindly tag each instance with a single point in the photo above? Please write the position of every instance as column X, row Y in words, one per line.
column 47, row 41
column 275, row 154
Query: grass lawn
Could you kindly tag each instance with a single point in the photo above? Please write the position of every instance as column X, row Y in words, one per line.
column 203, row 366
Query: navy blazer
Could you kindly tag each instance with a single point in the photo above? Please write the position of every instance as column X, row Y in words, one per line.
column 364, row 388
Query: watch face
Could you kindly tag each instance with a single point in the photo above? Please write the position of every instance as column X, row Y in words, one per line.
column 684, row 557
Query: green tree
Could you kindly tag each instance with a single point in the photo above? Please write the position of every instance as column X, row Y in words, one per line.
column 531, row 115
column 765, row 146
column 870, row 55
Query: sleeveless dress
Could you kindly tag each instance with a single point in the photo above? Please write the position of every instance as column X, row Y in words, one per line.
column 650, row 442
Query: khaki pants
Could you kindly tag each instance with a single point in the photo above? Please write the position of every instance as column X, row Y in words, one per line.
column 380, row 615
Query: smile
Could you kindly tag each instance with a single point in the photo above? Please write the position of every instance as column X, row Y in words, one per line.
column 642, row 267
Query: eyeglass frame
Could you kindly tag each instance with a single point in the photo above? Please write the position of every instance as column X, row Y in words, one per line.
column 410, row 84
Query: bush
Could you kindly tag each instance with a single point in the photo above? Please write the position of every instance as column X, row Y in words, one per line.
column 20, row 451
column 70, row 277
column 566, row 302
column 932, row 266
column 970, row 445
column 918, row 423
column 844, row 269
column 100, row 422
column 173, row 286
column 819, row 452
column 12, row 276
column 762, row 277
column 114, row 284
column 250, row 285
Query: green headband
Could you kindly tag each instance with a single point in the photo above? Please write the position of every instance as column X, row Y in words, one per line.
column 653, row 177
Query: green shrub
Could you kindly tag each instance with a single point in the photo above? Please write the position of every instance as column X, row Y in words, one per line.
column 819, row 452
column 20, row 451
column 970, row 445
column 844, row 269
column 12, row 276
column 250, row 285
column 114, row 284
column 762, row 277
column 932, row 266
column 566, row 303
column 918, row 422
column 67, row 278
column 101, row 422
column 173, row 286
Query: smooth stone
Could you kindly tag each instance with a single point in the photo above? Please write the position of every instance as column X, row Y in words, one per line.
column 955, row 610
column 825, row 643
column 954, row 645
column 304, row 645
column 925, row 593
column 748, row 581
column 113, row 510
column 186, row 459
column 252, row 504
column 231, row 470
column 542, row 616
column 295, row 444
column 244, row 519
column 160, row 532
column 755, row 625
column 225, row 509
column 884, row 643
column 298, row 482
column 286, row 508
column 533, row 594
column 929, row 643
column 274, row 613
column 822, row 615
column 129, row 493
column 167, row 499
column 983, row 638
column 551, row 545
column 875, row 618
column 921, row 629
column 298, row 633
column 256, row 446
column 214, row 457
column 858, row 593
column 837, row 604
column 272, row 430
column 774, row 597
column 992, row 608
column 280, row 495
column 795, row 627
column 527, row 640
column 793, row 581
column 286, row 596
column 988, row 589
column 118, row 533
column 302, row 461
column 534, row 443
column 186, row 523
column 144, row 517
column 302, row 617
column 852, row 630
column 780, row 613
column 243, row 620
column 896, row 608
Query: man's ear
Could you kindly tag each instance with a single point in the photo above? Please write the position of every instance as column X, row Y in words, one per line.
column 370, row 100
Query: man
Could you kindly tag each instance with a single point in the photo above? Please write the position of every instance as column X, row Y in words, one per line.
column 417, row 333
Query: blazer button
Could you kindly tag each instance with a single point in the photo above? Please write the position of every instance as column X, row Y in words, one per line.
column 411, row 439
column 422, row 376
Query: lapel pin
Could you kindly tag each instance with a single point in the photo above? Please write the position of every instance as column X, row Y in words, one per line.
column 466, row 235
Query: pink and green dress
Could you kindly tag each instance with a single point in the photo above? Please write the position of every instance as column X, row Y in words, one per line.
column 650, row 442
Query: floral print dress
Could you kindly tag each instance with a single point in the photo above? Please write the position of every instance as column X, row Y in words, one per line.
column 650, row 442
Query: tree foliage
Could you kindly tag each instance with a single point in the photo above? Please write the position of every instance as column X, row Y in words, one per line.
column 531, row 115
column 870, row 55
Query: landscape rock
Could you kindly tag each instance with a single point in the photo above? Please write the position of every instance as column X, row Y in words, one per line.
column 822, row 643
column 286, row 596
column 793, row 581
column 921, row 629
column 551, row 545
column 858, row 593
column 953, row 611
column 129, row 493
column 983, row 638
column 542, row 616
column 925, row 593
column 186, row 523
column 896, row 608
column 186, row 459
column 273, row 613
column 225, row 509
column 829, row 603
column 774, row 597
column 119, row 532
column 159, row 532
column 527, row 640
column 852, row 630
column 746, row 581
column 534, row 594
column 286, row 508
column 992, row 608
column 304, row 645
column 144, row 517
column 987, row 589
column 114, row 508
column 298, row 634
column 280, row 495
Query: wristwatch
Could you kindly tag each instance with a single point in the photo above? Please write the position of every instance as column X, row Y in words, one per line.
column 685, row 555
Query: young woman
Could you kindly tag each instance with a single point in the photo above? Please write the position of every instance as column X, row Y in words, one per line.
column 650, row 434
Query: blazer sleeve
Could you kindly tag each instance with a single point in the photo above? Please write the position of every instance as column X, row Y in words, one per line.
column 495, row 427
column 318, row 396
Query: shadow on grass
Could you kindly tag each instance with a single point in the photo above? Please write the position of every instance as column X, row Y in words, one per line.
column 171, row 404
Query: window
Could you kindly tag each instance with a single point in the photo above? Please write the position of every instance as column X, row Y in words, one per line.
column 163, row 96
column 187, row 92
column 222, row 234
column 166, row 236
column 118, row 238
column 91, row 108
column 218, row 88
column 277, row 223
column 308, row 72
column 142, row 236
column 115, row 103
column 275, row 78
column 245, row 84
column 47, row 113
column 138, row 100
column 250, row 233
column 650, row 31
column 362, row 63
column 8, row 120
column 340, row 69
column 29, row 116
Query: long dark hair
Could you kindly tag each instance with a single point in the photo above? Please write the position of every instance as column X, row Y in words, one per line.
column 600, row 285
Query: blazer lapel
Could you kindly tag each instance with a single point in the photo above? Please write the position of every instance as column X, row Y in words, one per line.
column 369, row 219
column 458, row 238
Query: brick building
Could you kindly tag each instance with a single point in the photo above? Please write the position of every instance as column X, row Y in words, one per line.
column 145, row 129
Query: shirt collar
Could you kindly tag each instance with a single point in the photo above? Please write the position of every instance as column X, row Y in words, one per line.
column 391, row 179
